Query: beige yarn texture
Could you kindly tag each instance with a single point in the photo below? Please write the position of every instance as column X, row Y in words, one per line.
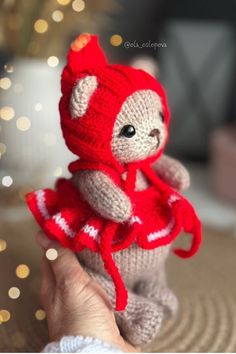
column 150, row 299
column 142, row 110
column 205, row 287
column 81, row 94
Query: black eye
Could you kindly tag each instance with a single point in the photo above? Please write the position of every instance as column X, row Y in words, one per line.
column 128, row 131
column 162, row 116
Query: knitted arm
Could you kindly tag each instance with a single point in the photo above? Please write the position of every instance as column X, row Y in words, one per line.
column 103, row 195
column 173, row 172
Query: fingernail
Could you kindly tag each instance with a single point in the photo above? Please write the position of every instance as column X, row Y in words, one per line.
column 43, row 240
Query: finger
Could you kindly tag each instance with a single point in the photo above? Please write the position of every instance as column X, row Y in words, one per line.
column 65, row 265
column 48, row 279
column 48, row 284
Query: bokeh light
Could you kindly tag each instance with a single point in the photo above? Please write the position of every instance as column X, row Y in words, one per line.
column 51, row 254
column 40, row 315
column 78, row 5
column 23, row 123
column 53, row 61
column 41, row 26
column 116, row 40
column 9, row 68
column 3, row 245
column 14, row 293
column 63, row 2
column 7, row 113
column 5, row 83
column 7, row 181
column 4, row 316
column 57, row 16
column 3, row 148
column 38, row 107
column 22, row 271
column 57, row 172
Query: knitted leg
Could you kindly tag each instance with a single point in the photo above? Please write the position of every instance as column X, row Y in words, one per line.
column 155, row 289
column 141, row 320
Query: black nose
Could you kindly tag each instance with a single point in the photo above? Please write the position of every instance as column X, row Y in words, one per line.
column 155, row 132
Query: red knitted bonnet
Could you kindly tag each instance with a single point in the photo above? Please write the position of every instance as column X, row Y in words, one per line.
column 89, row 136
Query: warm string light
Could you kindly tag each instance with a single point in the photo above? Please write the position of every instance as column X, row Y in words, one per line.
column 78, row 5
column 22, row 271
column 57, row 15
column 116, row 40
column 7, row 113
column 4, row 316
column 57, row 172
column 40, row 315
column 41, row 26
column 3, row 245
column 14, row 293
column 63, row 2
column 7, row 181
column 3, row 149
column 51, row 254
column 9, row 68
column 38, row 107
column 53, row 61
column 5, row 83
column 23, row 123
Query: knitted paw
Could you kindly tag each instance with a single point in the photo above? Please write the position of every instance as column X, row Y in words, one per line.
column 141, row 321
column 159, row 294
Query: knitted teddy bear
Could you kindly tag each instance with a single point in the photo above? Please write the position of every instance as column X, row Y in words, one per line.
column 120, row 210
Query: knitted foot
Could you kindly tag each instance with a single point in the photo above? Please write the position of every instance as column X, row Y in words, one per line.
column 159, row 294
column 141, row 321
column 142, row 318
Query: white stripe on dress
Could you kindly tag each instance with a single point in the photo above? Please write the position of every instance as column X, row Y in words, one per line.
column 166, row 231
column 173, row 198
column 40, row 198
column 61, row 222
column 135, row 219
column 161, row 233
column 91, row 231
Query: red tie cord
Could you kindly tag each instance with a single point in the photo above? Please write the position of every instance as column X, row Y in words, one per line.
column 110, row 266
column 191, row 223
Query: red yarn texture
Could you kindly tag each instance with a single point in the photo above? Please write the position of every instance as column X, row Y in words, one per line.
column 159, row 212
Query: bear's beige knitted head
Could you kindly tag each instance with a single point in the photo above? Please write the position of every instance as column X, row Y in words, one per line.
column 139, row 131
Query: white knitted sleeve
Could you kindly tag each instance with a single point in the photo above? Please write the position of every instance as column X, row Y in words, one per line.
column 80, row 344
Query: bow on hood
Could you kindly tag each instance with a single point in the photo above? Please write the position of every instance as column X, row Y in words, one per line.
column 93, row 92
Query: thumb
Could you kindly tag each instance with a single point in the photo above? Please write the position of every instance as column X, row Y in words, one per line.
column 64, row 262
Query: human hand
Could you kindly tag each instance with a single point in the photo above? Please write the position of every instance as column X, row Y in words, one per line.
column 74, row 303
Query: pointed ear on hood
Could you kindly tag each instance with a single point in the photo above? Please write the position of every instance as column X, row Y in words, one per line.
column 85, row 53
column 81, row 95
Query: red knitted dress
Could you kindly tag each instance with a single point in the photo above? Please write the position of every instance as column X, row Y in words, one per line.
column 159, row 212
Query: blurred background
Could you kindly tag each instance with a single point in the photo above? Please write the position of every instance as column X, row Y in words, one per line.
column 190, row 47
